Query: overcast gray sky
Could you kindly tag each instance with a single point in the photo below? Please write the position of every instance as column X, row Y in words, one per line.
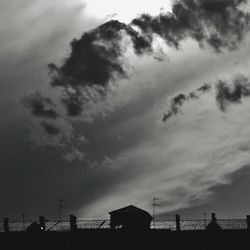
column 98, row 140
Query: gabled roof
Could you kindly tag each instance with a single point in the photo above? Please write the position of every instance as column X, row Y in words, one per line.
column 130, row 210
column 34, row 227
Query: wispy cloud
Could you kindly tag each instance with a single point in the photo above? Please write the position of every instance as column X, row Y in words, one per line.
column 226, row 93
column 182, row 160
column 179, row 100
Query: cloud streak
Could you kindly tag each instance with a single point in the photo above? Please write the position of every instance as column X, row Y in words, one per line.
column 226, row 93
column 179, row 100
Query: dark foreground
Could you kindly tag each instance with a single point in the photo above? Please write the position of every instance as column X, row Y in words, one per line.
column 131, row 239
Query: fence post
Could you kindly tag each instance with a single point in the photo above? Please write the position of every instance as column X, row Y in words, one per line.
column 177, row 220
column 214, row 220
column 248, row 222
column 6, row 225
column 73, row 225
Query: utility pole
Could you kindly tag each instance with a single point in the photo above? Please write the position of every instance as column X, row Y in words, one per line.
column 61, row 206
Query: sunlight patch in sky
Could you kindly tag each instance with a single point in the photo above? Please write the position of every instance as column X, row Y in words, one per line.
column 124, row 11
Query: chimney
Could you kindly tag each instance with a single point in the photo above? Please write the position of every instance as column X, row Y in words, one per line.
column 177, row 220
column 214, row 220
column 42, row 223
column 6, row 225
column 248, row 222
column 73, row 226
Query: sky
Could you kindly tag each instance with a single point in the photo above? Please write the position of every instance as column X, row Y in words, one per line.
column 108, row 103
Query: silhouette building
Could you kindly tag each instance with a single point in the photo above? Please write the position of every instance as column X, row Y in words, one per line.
column 178, row 234
column 34, row 227
column 130, row 217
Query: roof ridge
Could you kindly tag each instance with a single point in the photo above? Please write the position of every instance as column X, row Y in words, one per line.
column 53, row 225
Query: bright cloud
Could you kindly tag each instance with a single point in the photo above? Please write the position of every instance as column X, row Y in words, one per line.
column 125, row 11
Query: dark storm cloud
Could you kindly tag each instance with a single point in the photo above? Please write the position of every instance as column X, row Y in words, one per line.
column 204, row 88
column 96, row 59
column 50, row 129
column 73, row 102
column 228, row 93
column 219, row 24
column 177, row 101
column 40, row 106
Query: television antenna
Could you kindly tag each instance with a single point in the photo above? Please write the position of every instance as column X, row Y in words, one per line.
column 61, row 206
column 155, row 204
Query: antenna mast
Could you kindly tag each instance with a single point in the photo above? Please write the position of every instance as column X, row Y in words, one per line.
column 61, row 206
column 154, row 206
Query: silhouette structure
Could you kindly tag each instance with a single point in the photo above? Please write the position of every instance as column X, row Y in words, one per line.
column 34, row 227
column 130, row 217
column 129, row 228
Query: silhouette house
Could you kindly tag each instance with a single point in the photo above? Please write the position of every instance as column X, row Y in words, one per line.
column 130, row 217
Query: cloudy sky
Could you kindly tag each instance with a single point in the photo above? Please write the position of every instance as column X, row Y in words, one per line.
column 110, row 103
